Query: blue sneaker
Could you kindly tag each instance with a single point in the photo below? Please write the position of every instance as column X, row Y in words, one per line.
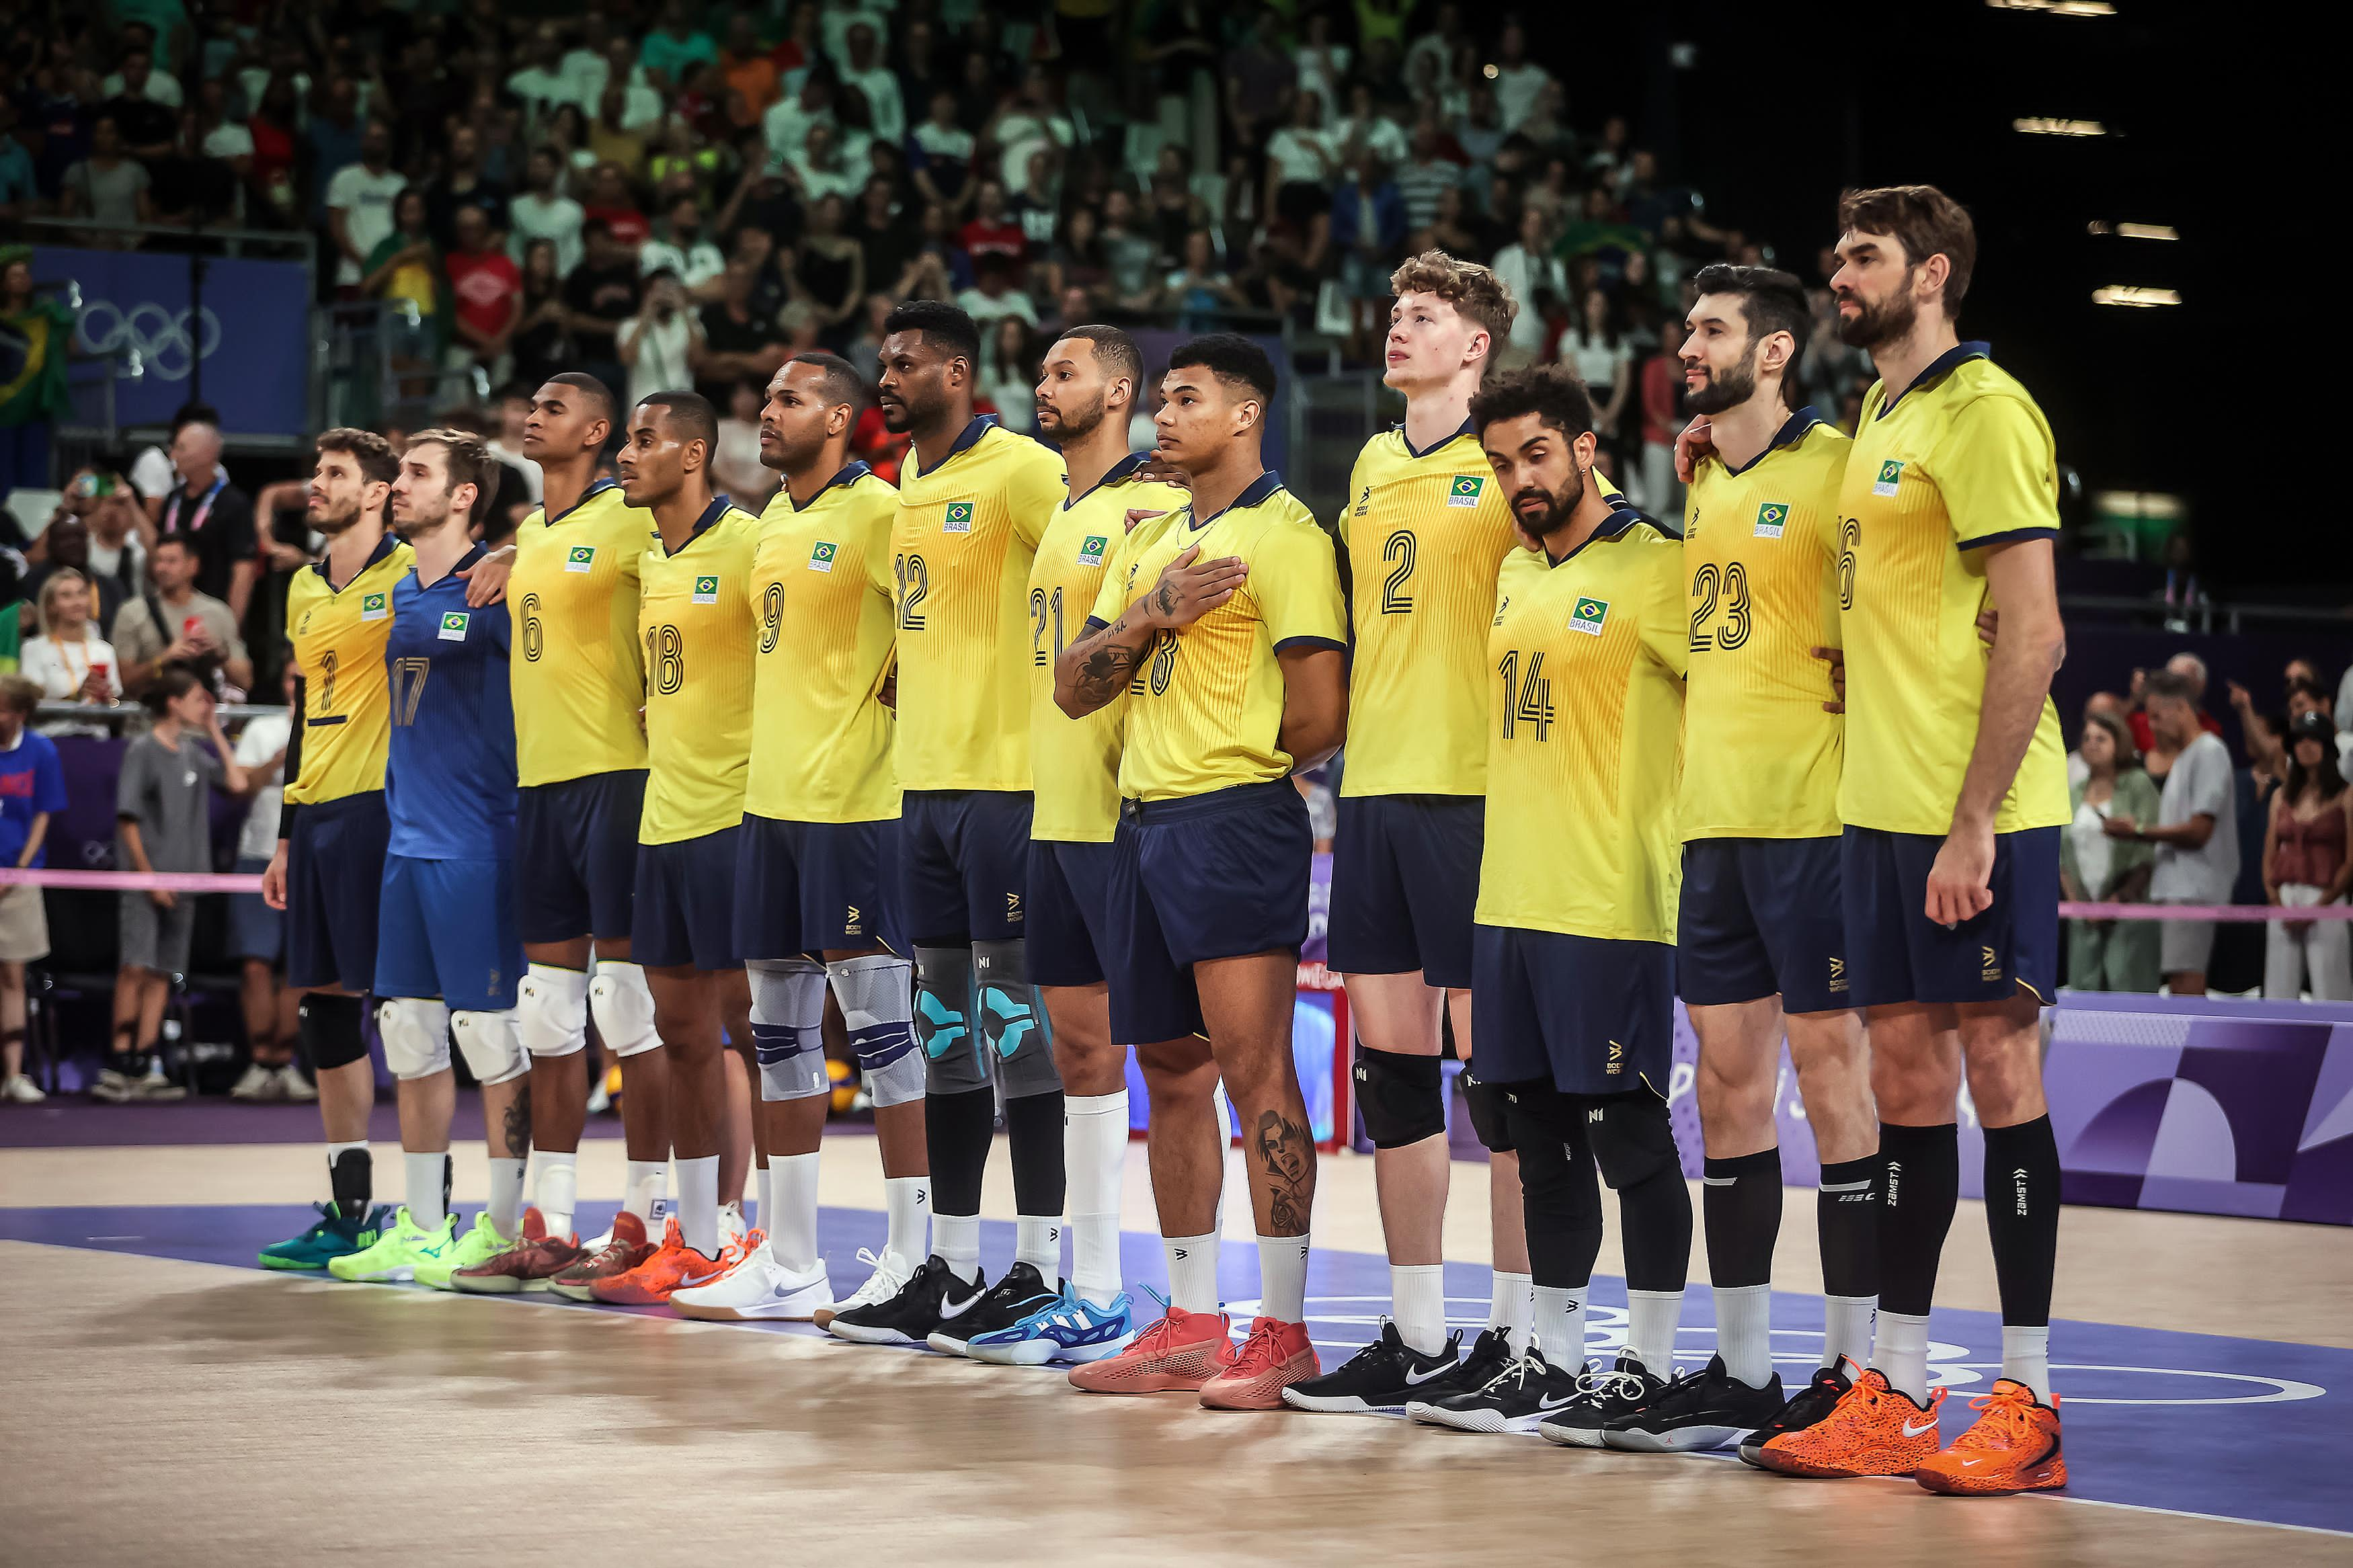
column 1069, row 1327
column 334, row 1237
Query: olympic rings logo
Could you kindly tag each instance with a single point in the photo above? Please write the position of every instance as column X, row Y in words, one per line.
column 158, row 340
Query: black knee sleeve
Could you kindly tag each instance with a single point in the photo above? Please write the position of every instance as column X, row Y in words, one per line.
column 1558, row 1192
column 1401, row 1099
column 1920, row 1186
column 1033, row 1136
column 2021, row 1193
column 1741, row 1201
column 1634, row 1147
column 333, row 1029
column 958, row 1128
column 1484, row 1103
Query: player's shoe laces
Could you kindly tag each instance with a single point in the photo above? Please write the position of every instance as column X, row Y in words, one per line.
column 1180, row 1350
column 1491, row 1356
column 760, row 1289
column 478, row 1245
column 1275, row 1355
column 2011, row 1446
column 1068, row 1328
column 890, row 1276
column 1697, row 1412
column 399, row 1249
column 534, row 1258
column 1385, row 1375
column 1808, row 1405
column 625, row 1249
column 1523, row 1392
column 331, row 1238
column 930, row 1295
column 1601, row 1397
column 1022, row 1291
column 1873, row 1431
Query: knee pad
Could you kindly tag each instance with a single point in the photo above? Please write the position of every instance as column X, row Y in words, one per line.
column 1401, row 1099
column 788, row 1029
column 1012, row 1025
column 416, row 1036
column 492, row 1044
column 877, row 999
column 1484, row 1103
column 1632, row 1137
column 333, row 1029
column 551, row 1011
column 623, row 1009
column 943, row 1025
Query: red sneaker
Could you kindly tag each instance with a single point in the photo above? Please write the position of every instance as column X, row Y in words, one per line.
column 2011, row 1446
column 1275, row 1355
column 1182, row 1351
column 673, row 1266
column 627, row 1249
column 534, row 1260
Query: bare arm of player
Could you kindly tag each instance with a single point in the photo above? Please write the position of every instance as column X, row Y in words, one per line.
column 486, row 579
column 1315, row 703
column 2021, row 578
column 1097, row 668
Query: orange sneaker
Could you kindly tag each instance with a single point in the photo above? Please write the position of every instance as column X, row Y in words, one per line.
column 674, row 1266
column 2011, row 1446
column 623, row 1250
column 1182, row 1351
column 1872, row 1431
column 1275, row 1355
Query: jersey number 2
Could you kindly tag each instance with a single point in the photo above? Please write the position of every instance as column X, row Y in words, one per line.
column 1399, row 553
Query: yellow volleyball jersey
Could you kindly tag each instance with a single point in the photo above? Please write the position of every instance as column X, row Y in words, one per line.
column 961, row 548
column 1760, row 563
column 579, row 668
column 1075, row 762
column 701, row 636
column 1585, row 703
column 821, row 595
column 1963, row 460
column 1205, row 712
column 339, row 636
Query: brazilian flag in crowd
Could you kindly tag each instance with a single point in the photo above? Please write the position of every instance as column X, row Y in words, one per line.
column 33, row 358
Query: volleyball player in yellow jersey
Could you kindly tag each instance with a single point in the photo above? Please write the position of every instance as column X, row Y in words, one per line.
column 1227, row 633
column 700, row 634
column 1573, row 968
column 329, row 867
column 973, row 500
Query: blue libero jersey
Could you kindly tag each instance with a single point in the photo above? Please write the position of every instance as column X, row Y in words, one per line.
column 451, row 784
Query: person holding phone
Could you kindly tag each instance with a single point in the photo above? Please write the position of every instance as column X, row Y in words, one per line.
column 173, row 624
column 65, row 658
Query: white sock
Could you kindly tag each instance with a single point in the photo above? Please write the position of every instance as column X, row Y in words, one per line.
column 1901, row 1354
column 425, row 1175
column 1192, row 1272
column 1038, row 1242
column 908, row 1201
column 1744, row 1332
column 1095, row 1153
column 698, row 1203
column 2026, row 1358
column 956, row 1238
column 1418, row 1301
column 506, row 1208
column 1511, row 1304
column 648, row 1180
column 790, row 1211
column 555, row 1191
column 1556, row 1316
column 1652, row 1318
column 1846, row 1327
column 1282, row 1277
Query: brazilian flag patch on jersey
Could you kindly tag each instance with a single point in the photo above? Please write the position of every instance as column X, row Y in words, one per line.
column 706, row 590
column 1891, row 474
column 1466, row 489
column 453, row 625
column 1771, row 518
column 959, row 518
column 376, row 607
column 1589, row 615
column 580, row 558
column 1092, row 548
column 821, row 558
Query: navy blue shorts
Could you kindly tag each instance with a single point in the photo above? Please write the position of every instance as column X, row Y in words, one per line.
column 255, row 930
column 964, row 866
column 1761, row 916
column 447, row 929
column 1405, row 880
column 335, row 874
column 811, row 887
column 1896, row 954
column 686, row 904
column 1596, row 1016
column 1069, row 885
column 1217, row 876
column 577, row 857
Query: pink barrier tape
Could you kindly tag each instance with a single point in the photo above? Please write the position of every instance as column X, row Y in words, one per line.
column 2242, row 912
column 130, row 881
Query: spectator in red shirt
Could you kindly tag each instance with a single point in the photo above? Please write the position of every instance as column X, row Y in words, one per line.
column 485, row 287
column 609, row 199
column 992, row 231
column 1662, row 386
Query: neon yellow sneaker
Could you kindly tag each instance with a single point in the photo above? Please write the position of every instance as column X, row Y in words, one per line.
column 398, row 1251
column 479, row 1244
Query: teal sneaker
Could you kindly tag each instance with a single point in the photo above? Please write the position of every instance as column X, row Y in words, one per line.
column 398, row 1251
column 479, row 1244
column 334, row 1237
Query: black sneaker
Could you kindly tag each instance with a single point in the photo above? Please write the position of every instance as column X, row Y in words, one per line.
column 1602, row 1397
column 1698, row 1411
column 1514, row 1400
column 1382, row 1376
column 1809, row 1406
column 929, row 1294
column 1491, row 1355
column 1021, row 1292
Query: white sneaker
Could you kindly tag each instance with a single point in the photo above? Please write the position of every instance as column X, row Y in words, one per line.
column 155, row 1089
column 891, row 1275
column 293, row 1087
column 758, row 1290
column 22, row 1090
column 259, row 1083
column 112, row 1086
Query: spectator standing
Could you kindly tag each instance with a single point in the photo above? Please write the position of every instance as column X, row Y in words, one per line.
column 994, row 299
column 749, row 70
column 360, row 200
column 405, row 269
column 2304, row 864
column 485, row 294
column 939, row 154
column 1662, row 401
column 215, row 513
column 463, row 185
column 865, row 71
column 175, row 625
column 257, row 933
column 1009, row 373
column 1534, row 276
column 669, row 50
column 660, row 343
column 2192, row 668
column 682, row 246
column 1518, row 80
column 117, row 557
column 611, row 139
column 738, row 345
column 1599, row 354
column 830, row 268
column 545, row 212
column 992, row 230
column 32, row 790
column 2197, row 847
column 1369, row 230
column 108, row 186
column 543, row 84
column 1426, row 174
column 1302, row 160
column 65, row 659
column 736, row 464
column 36, row 396
column 2095, row 868
column 601, row 293
column 541, row 344
column 1200, row 289
column 611, row 203
column 2097, row 704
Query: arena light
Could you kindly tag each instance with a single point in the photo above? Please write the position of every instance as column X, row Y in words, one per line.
column 2132, row 230
column 2134, row 295
column 2045, row 125
column 2057, row 8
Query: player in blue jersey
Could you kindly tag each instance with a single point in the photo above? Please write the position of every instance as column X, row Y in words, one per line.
column 449, row 954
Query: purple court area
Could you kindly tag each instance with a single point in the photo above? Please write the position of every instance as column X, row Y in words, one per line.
column 2239, row 1429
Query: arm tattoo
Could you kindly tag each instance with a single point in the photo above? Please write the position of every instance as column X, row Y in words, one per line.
column 1106, row 671
column 1288, row 1153
column 1165, row 600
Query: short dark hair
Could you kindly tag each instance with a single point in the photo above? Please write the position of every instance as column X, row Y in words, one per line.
column 689, row 411
column 379, row 465
column 171, row 682
column 1925, row 222
column 194, row 413
column 1233, row 359
column 1550, row 392
column 1114, row 351
column 595, row 227
column 2169, row 683
column 842, row 382
column 940, row 325
column 597, row 392
column 1772, row 301
column 186, row 541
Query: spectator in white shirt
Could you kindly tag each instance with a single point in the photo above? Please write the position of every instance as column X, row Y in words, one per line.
column 875, row 83
column 993, row 298
column 1517, row 79
column 839, row 17
column 359, row 202
column 545, row 212
column 681, row 248
column 139, row 78
column 1532, row 271
column 658, row 342
column 66, row 659
column 1366, row 127
column 786, row 124
column 1323, row 65
column 735, row 464
column 542, row 85
column 1302, row 153
column 944, row 168
column 819, row 168
column 587, row 64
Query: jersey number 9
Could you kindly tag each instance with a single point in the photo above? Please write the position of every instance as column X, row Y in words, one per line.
column 772, row 617
column 666, row 657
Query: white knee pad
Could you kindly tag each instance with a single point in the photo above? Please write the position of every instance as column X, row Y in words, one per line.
column 623, row 1009
column 552, row 1010
column 416, row 1033
column 491, row 1045
column 876, row 993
